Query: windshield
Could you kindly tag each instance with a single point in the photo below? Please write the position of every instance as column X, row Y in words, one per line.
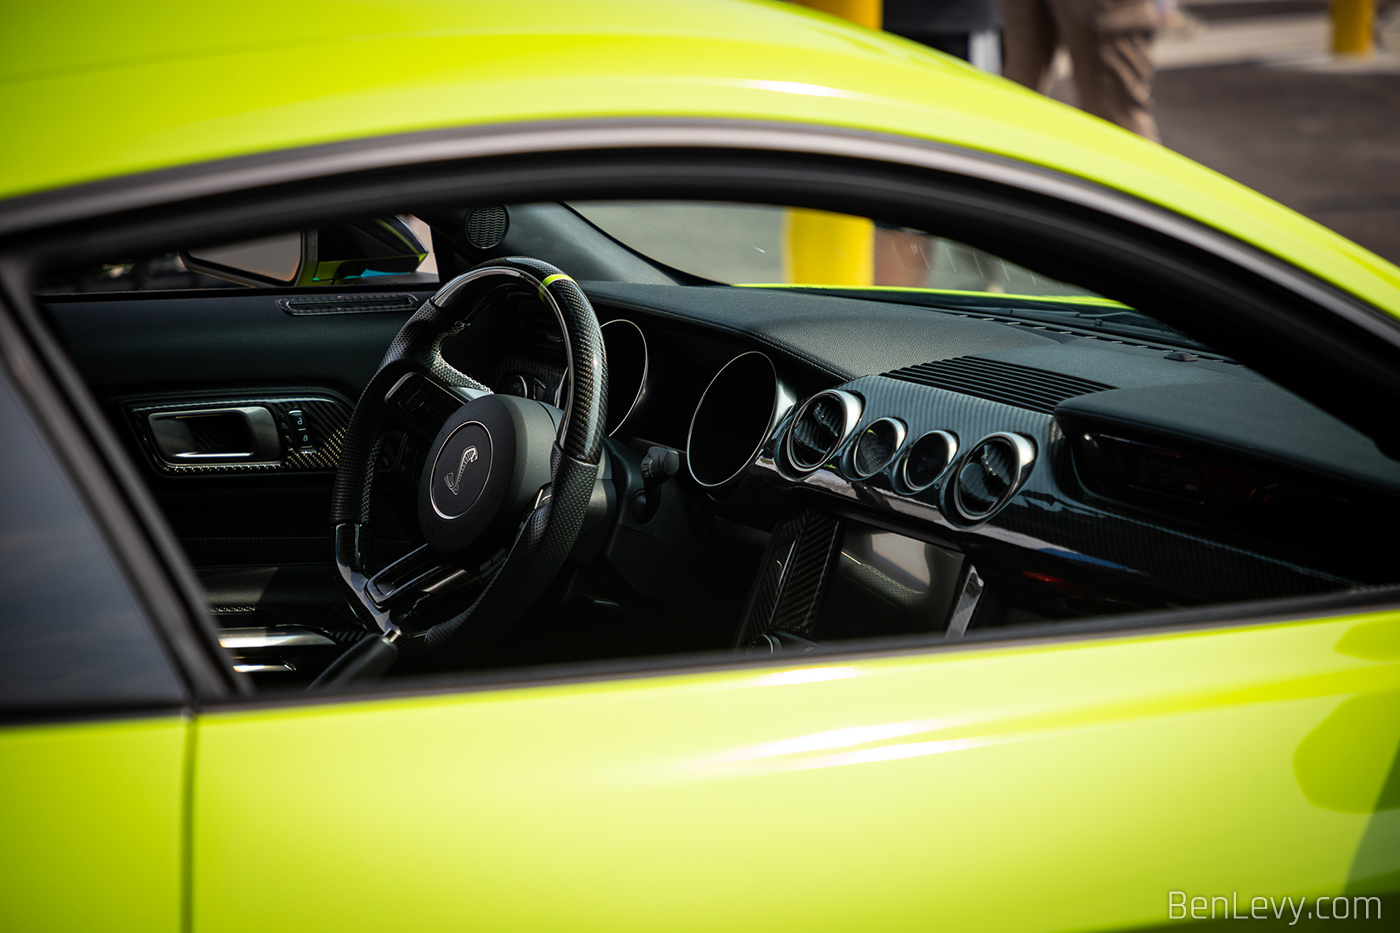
column 761, row 245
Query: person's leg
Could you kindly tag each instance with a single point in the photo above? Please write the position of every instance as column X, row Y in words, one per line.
column 902, row 257
column 953, row 43
column 1110, row 43
column 1029, row 37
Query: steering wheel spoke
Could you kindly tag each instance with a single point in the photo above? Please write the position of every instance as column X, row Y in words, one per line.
column 350, row 563
column 418, row 404
column 421, row 572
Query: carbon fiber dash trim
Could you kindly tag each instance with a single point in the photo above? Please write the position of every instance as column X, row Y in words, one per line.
column 795, row 569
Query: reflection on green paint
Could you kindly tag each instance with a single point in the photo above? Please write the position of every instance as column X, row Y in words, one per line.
column 1348, row 763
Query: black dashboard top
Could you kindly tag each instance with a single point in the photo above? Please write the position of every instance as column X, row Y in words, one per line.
column 842, row 337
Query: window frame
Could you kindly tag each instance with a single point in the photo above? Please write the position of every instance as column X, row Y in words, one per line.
column 1269, row 302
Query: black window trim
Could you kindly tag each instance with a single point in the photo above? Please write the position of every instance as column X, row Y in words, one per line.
column 1361, row 603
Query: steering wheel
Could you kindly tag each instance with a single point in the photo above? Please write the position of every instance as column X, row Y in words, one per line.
column 505, row 485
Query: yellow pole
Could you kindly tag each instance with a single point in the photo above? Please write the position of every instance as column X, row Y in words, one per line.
column 820, row 248
column 1352, row 26
column 827, row 249
column 866, row 12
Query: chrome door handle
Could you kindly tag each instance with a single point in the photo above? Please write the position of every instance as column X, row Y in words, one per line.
column 229, row 434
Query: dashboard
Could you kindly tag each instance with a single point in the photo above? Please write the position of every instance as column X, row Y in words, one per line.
column 923, row 471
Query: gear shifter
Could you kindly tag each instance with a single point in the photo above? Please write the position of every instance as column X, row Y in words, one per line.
column 658, row 466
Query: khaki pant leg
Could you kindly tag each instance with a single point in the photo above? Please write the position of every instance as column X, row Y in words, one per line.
column 1110, row 43
column 1029, row 36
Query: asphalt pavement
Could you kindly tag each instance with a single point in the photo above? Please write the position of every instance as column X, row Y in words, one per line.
column 1325, row 144
column 1250, row 89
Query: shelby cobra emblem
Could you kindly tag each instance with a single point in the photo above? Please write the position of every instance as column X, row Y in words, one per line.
column 454, row 480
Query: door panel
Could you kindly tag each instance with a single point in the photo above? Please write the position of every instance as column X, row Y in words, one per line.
column 198, row 351
column 144, row 354
column 141, row 344
column 91, row 821
column 1089, row 777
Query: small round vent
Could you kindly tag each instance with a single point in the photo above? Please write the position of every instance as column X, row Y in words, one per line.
column 822, row 425
column 487, row 226
column 991, row 473
column 875, row 447
column 928, row 457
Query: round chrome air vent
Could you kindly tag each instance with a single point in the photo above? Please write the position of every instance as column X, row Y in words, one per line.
column 926, row 460
column 823, row 423
column 874, row 448
column 991, row 473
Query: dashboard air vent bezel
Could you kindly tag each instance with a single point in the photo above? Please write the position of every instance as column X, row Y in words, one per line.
column 948, row 439
column 894, row 433
column 845, row 404
column 1022, row 451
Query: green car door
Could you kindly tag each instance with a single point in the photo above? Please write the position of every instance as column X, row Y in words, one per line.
column 1099, row 783
column 92, row 820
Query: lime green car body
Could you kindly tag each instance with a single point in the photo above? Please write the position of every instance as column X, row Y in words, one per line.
column 1047, row 785
column 238, row 78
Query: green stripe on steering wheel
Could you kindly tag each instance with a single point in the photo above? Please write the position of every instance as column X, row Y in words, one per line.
column 551, row 280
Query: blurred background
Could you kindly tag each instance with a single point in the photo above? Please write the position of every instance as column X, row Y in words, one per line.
column 1298, row 99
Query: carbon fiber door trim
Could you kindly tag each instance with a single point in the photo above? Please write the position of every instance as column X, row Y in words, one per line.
column 327, row 418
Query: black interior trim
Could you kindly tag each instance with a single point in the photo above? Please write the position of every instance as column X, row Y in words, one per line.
column 781, row 320
column 1255, row 422
column 260, row 341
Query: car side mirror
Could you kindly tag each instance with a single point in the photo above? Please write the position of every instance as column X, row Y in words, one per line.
column 329, row 255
